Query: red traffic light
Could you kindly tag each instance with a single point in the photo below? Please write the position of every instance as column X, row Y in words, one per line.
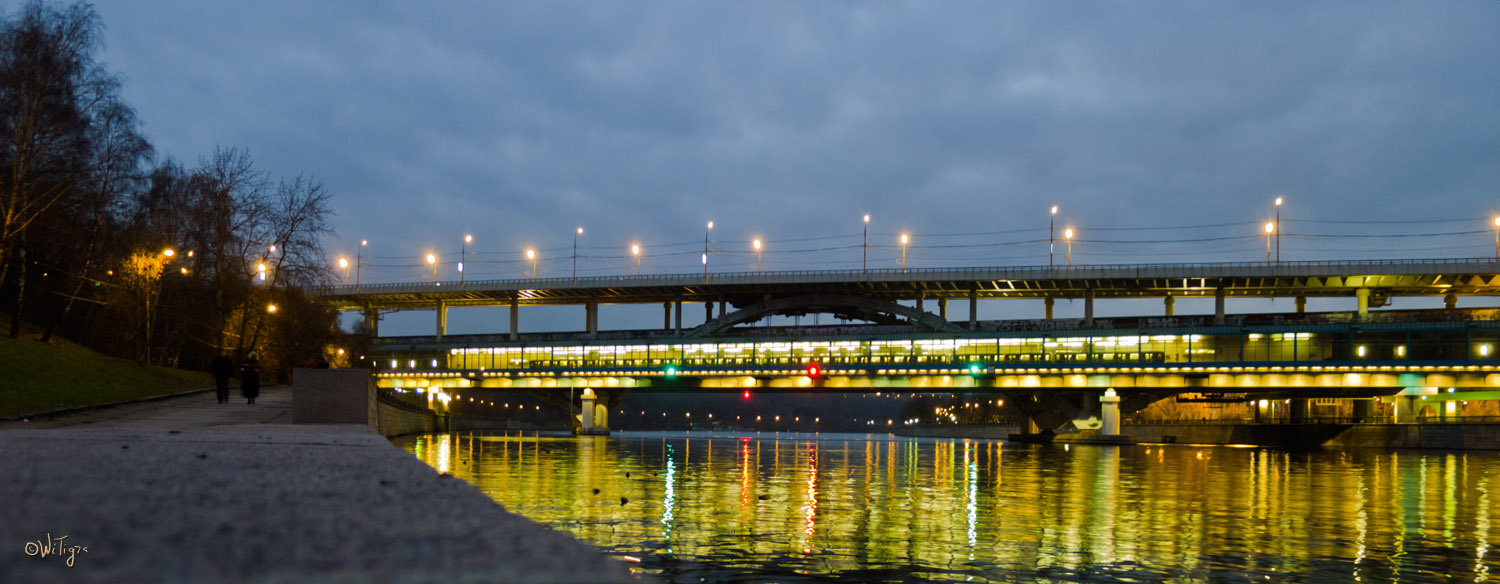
column 814, row 371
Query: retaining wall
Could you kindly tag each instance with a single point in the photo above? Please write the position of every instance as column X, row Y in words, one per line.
column 349, row 396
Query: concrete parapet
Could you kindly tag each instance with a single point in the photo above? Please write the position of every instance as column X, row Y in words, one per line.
column 348, row 396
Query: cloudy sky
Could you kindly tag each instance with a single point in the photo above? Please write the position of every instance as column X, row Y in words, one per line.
column 1162, row 130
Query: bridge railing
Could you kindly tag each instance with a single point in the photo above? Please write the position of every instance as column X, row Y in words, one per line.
column 1157, row 270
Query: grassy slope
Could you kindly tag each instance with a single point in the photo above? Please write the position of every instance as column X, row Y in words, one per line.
column 35, row 377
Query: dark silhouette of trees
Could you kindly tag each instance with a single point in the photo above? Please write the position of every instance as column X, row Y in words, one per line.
column 137, row 258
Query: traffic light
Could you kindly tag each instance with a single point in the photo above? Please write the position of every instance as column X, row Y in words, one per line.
column 814, row 371
column 671, row 371
column 975, row 369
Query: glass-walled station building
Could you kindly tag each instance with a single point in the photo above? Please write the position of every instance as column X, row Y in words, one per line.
column 1447, row 337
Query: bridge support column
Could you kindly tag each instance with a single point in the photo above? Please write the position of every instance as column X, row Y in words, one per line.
column 1047, row 303
column 442, row 319
column 666, row 316
column 919, row 302
column 1405, row 409
column 708, row 311
column 515, row 319
column 1088, row 307
column 1301, row 410
column 973, row 310
column 1301, row 302
column 372, row 321
column 588, row 401
column 1219, row 305
column 679, row 318
column 1450, row 301
column 591, row 317
column 1109, row 406
column 1170, row 304
column 943, row 308
column 1364, row 410
column 1362, row 296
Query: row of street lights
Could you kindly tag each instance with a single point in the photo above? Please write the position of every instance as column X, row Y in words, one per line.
column 1272, row 230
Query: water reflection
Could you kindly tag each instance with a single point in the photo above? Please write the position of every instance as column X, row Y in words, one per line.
column 857, row 508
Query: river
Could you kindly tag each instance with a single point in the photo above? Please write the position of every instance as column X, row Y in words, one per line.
column 730, row 507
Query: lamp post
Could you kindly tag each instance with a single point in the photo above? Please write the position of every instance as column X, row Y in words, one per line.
column 359, row 255
column 1068, row 236
column 166, row 254
column 344, row 265
column 1270, row 230
column 705, row 249
column 864, row 260
column 635, row 250
column 463, row 255
column 904, row 240
column 756, row 244
column 1278, row 230
column 1051, row 239
column 1497, row 237
column 576, row 233
column 432, row 261
column 531, row 256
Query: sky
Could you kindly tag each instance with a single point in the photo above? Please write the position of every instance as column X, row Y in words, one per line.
column 1162, row 130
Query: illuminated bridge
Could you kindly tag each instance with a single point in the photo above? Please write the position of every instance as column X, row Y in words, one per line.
column 1054, row 369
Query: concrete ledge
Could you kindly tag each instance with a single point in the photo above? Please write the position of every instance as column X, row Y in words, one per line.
column 262, row 503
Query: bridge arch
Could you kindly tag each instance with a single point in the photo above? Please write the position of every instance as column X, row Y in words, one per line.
column 843, row 306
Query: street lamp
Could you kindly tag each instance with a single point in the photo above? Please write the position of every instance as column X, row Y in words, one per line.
column 864, row 260
column 1278, row 230
column 432, row 261
column 359, row 256
column 756, row 244
column 576, row 233
column 904, row 240
column 1068, row 236
column 344, row 265
column 531, row 256
column 260, row 268
column 1497, row 237
column 1051, row 239
column 635, row 250
column 1270, row 230
column 463, row 255
column 705, row 249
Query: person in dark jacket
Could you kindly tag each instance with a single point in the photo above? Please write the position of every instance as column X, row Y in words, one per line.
column 222, row 369
column 250, row 377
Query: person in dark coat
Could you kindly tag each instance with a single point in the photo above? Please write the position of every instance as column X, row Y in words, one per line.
column 222, row 369
column 250, row 377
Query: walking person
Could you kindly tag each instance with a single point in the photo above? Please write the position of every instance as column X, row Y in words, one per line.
column 250, row 377
column 222, row 369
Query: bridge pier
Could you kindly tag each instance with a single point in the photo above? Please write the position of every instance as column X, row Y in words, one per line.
column 1109, row 414
column 442, row 319
column 973, row 310
column 1450, row 301
column 1405, row 409
column 943, row 308
column 372, row 321
column 679, row 318
column 1088, row 307
column 1362, row 296
column 591, row 317
column 1301, row 302
column 1047, row 304
column 1219, row 305
column 1170, row 303
column 1301, row 410
column 515, row 318
column 666, row 316
column 1364, row 409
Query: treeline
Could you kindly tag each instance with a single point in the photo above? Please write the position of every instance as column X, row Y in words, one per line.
column 104, row 243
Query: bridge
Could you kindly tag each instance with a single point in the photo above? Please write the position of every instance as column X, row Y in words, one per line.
column 1055, row 370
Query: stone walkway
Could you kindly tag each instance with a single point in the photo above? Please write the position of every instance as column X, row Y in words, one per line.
column 190, row 490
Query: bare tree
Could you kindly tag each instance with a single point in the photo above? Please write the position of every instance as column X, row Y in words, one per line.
column 51, row 89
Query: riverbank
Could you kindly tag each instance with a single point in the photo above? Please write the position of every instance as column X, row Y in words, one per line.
column 194, row 491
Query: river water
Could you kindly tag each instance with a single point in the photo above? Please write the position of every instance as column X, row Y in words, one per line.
column 727, row 507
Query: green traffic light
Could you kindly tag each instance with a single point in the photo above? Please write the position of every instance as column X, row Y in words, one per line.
column 974, row 369
column 671, row 371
